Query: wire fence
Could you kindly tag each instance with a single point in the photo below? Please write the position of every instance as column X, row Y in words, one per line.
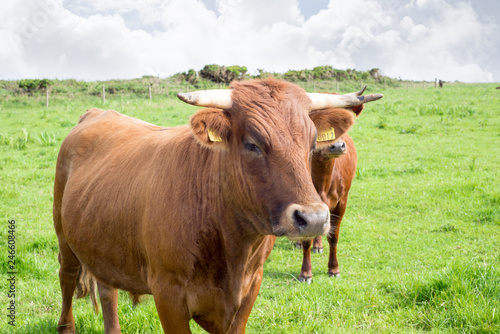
column 156, row 87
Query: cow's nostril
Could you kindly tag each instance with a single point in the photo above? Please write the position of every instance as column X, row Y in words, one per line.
column 299, row 219
column 306, row 220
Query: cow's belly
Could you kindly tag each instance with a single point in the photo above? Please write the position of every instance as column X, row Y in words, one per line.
column 111, row 264
column 107, row 244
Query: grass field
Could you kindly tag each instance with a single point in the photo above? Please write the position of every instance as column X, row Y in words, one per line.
column 419, row 246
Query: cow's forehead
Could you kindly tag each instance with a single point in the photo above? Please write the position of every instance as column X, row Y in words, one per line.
column 271, row 108
column 266, row 95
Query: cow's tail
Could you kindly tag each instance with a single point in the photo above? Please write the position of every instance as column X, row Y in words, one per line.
column 86, row 285
column 136, row 298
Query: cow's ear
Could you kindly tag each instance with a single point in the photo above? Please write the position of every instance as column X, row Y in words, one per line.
column 358, row 109
column 211, row 127
column 331, row 124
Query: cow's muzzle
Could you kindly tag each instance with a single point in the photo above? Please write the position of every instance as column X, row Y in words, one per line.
column 336, row 149
column 300, row 222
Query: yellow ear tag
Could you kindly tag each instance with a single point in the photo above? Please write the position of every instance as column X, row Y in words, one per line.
column 326, row 135
column 213, row 136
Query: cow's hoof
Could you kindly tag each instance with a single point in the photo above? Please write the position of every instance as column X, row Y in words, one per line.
column 318, row 250
column 335, row 275
column 307, row 280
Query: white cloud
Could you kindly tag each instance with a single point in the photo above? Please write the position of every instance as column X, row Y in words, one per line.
column 446, row 45
column 260, row 13
column 101, row 39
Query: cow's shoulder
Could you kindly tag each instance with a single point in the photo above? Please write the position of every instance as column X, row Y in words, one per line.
column 103, row 132
column 100, row 115
column 93, row 114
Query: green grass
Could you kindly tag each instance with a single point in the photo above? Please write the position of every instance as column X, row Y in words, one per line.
column 419, row 246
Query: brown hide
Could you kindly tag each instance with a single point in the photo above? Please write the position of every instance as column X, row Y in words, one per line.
column 167, row 212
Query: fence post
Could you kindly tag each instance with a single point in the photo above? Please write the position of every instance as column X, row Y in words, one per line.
column 384, row 84
column 103, row 94
column 47, row 96
column 150, row 96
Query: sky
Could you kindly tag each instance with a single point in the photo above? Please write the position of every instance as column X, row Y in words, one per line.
column 114, row 39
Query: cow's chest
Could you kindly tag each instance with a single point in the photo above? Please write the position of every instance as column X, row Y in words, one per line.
column 216, row 303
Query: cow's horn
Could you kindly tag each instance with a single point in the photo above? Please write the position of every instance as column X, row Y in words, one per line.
column 214, row 98
column 322, row 101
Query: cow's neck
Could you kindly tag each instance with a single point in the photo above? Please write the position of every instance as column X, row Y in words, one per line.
column 227, row 232
column 238, row 259
column 245, row 252
column 322, row 173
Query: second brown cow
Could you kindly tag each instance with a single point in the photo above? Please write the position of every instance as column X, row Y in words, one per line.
column 333, row 170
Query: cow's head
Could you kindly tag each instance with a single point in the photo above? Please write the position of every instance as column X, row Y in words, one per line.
column 338, row 147
column 267, row 131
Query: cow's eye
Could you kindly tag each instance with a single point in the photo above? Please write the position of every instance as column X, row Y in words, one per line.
column 252, row 148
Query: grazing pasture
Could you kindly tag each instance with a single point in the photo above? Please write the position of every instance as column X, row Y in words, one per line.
column 419, row 247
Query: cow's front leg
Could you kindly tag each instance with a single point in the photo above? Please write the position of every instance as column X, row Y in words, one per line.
column 333, row 238
column 171, row 307
column 241, row 318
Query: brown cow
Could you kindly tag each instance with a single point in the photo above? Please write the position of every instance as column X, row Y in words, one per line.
column 190, row 214
column 333, row 169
